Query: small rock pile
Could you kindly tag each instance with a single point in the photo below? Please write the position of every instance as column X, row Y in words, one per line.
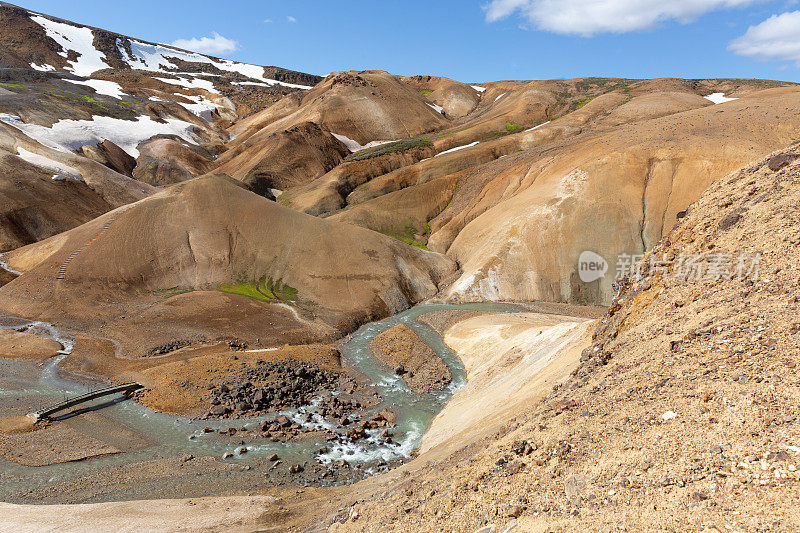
column 168, row 347
column 272, row 386
column 384, row 419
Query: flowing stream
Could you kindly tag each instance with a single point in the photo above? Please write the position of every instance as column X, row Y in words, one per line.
column 180, row 435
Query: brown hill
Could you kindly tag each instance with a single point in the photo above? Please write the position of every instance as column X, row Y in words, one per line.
column 610, row 177
column 498, row 127
column 40, row 201
column 26, row 41
column 517, row 207
column 363, row 106
column 169, row 161
column 286, row 159
column 182, row 263
column 456, row 98
column 33, row 206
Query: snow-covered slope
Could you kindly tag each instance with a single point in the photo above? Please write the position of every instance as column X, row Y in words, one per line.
column 77, row 40
column 70, row 135
column 44, row 43
column 160, row 58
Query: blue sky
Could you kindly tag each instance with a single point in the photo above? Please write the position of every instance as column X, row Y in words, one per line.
column 475, row 41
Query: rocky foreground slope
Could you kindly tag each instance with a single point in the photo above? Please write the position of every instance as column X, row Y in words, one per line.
column 683, row 414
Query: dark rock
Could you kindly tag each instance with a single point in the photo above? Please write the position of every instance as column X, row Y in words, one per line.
column 779, row 456
column 167, row 348
column 356, row 433
column 730, row 220
column 777, row 162
column 219, row 410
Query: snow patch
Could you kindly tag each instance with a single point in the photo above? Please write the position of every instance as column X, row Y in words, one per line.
column 439, row 109
column 536, row 127
column 158, row 58
column 354, row 146
column 69, row 135
column 60, row 170
column 499, row 97
column 43, row 68
column 194, row 83
column 719, row 98
column 7, row 268
column 107, row 88
column 201, row 107
column 144, row 56
column 33, row 131
column 457, row 148
column 79, row 39
column 351, row 145
column 478, row 88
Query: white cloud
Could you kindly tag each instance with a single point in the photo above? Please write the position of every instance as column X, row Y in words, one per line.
column 775, row 39
column 216, row 44
column 268, row 21
column 589, row 17
column 291, row 19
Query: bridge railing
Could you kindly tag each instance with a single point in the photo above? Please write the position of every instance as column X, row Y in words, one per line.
column 45, row 413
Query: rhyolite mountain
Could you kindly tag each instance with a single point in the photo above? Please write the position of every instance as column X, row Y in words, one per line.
column 509, row 180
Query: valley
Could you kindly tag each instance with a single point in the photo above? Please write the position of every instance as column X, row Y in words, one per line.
column 375, row 302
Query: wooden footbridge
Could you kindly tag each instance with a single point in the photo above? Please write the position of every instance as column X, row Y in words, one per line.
column 47, row 412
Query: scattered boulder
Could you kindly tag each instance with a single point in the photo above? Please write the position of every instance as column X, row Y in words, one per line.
column 777, row 162
column 730, row 220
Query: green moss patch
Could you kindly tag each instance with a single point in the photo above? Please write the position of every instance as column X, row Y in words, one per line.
column 265, row 289
column 514, row 128
column 408, row 233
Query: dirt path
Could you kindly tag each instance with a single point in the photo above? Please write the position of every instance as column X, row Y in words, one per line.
column 199, row 514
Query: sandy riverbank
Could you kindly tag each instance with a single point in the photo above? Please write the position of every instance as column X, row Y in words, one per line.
column 511, row 360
